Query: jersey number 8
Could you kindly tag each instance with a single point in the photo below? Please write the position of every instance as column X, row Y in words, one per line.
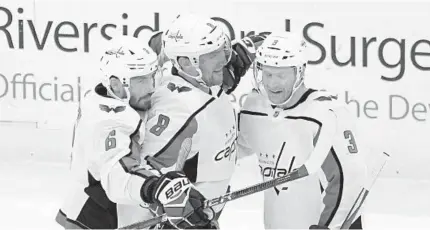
column 162, row 123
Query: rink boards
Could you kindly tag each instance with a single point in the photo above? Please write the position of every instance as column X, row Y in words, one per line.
column 376, row 56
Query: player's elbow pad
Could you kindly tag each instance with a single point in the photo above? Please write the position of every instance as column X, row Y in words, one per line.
column 122, row 187
column 116, row 190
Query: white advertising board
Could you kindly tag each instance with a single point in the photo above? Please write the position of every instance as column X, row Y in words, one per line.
column 375, row 55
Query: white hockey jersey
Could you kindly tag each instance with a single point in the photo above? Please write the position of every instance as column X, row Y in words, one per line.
column 105, row 165
column 317, row 126
column 182, row 115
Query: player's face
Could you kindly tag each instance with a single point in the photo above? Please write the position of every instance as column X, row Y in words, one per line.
column 212, row 64
column 278, row 82
column 141, row 88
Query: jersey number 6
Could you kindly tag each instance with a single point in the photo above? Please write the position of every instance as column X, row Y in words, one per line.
column 110, row 141
column 352, row 147
column 162, row 123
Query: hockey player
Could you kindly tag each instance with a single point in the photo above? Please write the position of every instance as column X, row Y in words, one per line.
column 289, row 125
column 192, row 121
column 107, row 140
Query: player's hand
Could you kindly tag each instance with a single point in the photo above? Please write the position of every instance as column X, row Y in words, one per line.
column 174, row 195
column 155, row 43
column 243, row 54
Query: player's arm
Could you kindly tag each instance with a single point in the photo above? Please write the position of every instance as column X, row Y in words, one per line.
column 118, row 163
column 244, row 148
column 323, row 149
column 323, row 139
column 325, row 156
column 338, row 197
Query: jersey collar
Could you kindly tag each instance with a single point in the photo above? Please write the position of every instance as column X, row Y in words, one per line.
column 300, row 101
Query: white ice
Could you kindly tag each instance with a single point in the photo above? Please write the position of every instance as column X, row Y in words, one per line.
column 32, row 191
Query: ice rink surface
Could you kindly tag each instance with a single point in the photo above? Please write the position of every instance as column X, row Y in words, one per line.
column 32, row 192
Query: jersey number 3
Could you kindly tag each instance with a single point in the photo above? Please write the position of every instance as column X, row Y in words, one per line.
column 352, row 147
column 162, row 123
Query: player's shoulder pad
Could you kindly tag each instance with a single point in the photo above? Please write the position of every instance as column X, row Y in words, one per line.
column 102, row 105
column 104, row 112
column 323, row 96
column 324, row 102
column 174, row 93
column 254, row 101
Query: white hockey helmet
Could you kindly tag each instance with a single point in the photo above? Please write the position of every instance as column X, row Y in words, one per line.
column 191, row 36
column 281, row 49
column 127, row 57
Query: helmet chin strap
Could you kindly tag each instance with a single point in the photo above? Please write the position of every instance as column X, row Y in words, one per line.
column 295, row 88
column 198, row 78
column 112, row 94
column 127, row 91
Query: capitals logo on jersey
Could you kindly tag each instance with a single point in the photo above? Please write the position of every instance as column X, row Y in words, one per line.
column 270, row 169
column 229, row 151
column 108, row 109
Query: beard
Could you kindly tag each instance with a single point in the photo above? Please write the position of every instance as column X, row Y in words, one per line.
column 140, row 104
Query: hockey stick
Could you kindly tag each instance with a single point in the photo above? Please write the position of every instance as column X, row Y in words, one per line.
column 294, row 175
column 365, row 190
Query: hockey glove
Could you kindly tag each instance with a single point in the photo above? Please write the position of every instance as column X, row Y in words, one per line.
column 174, row 195
column 241, row 60
column 155, row 43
